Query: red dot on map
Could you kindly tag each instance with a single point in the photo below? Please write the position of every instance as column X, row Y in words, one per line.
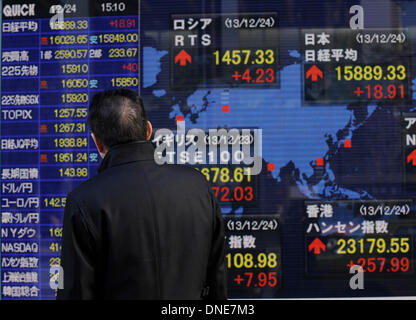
column 347, row 144
column 320, row 162
column 226, row 108
column 271, row 167
column 179, row 118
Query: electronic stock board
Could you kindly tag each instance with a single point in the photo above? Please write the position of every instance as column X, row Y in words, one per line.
column 326, row 88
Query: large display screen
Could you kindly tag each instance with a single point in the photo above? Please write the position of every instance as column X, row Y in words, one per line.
column 306, row 109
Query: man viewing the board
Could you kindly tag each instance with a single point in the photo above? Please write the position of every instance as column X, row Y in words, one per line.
column 139, row 230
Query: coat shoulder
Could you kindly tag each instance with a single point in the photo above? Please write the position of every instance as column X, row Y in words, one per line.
column 104, row 181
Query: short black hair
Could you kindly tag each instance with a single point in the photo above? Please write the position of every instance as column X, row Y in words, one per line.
column 117, row 117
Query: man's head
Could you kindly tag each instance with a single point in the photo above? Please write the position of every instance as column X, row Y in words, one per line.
column 117, row 117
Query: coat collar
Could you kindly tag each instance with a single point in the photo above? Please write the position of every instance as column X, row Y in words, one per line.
column 127, row 152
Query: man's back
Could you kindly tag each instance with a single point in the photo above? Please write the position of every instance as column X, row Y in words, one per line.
column 142, row 231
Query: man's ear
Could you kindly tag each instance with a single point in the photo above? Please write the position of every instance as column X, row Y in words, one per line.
column 149, row 130
column 100, row 146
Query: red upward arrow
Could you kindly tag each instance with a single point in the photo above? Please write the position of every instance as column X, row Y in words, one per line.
column 316, row 245
column 412, row 158
column 314, row 72
column 183, row 57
